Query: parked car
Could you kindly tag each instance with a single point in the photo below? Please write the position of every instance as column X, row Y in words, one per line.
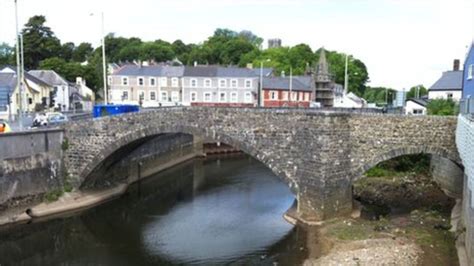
column 49, row 119
column 56, row 119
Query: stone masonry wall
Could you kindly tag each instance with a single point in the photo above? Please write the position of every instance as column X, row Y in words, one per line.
column 318, row 154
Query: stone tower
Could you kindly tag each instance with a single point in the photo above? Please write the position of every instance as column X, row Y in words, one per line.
column 324, row 83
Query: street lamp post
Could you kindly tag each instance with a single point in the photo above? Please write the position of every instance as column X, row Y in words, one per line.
column 346, row 77
column 260, row 100
column 18, row 69
column 104, row 64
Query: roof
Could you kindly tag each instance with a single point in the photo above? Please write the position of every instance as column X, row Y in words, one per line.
column 306, row 80
column 420, row 101
column 450, row 80
column 154, row 70
column 283, row 83
column 218, row 71
column 49, row 77
column 267, row 72
column 356, row 98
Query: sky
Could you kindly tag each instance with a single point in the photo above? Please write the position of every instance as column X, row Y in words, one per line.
column 402, row 42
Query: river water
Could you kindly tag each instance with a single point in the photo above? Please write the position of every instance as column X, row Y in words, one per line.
column 204, row 212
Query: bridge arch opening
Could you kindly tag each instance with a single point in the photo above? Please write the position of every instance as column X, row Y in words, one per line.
column 404, row 180
column 189, row 142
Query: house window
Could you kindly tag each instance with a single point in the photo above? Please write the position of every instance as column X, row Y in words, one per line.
column 248, row 97
column 175, row 96
column 301, row 96
column 417, row 111
column 207, row 83
column 141, row 81
column 248, row 83
column 141, row 96
column 470, row 72
column 449, row 95
column 222, row 97
column 207, row 97
column 124, row 81
column 164, row 96
column 194, row 83
column 193, row 96
column 109, row 80
column 163, row 82
column 233, row 97
column 233, row 83
column 273, row 95
column 152, row 81
column 284, row 96
column 294, row 96
column 222, row 83
column 152, row 95
column 306, row 96
column 124, row 95
column 174, row 82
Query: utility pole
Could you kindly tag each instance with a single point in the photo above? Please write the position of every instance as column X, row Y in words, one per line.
column 18, row 69
column 346, row 76
column 104, row 62
column 291, row 82
column 260, row 93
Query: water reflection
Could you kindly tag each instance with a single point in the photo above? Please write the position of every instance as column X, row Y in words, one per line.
column 203, row 212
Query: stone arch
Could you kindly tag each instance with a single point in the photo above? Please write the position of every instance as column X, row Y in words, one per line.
column 394, row 153
column 110, row 148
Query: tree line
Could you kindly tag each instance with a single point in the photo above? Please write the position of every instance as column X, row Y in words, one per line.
column 42, row 49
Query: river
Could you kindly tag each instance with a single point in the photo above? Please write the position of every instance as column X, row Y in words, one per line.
column 204, row 212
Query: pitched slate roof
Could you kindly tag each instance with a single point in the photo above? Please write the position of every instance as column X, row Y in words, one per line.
column 153, row 70
column 421, row 101
column 450, row 80
column 46, row 77
column 134, row 70
column 280, row 83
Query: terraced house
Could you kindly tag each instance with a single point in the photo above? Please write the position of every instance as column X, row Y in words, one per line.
column 158, row 85
column 220, row 86
column 148, row 86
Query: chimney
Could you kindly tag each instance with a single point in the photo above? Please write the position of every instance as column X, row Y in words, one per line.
column 456, row 65
column 195, row 63
column 79, row 80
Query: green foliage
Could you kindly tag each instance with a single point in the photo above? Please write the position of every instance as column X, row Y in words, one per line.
column 379, row 95
column 6, row 54
column 443, row 107
column 53, row 195
column 39, row 42
column 412, row 92
column 65, row 144
column 416, row 163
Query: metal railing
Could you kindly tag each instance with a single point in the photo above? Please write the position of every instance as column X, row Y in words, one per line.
column 466, row 107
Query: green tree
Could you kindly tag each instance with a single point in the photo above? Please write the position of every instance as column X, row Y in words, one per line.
column 82, row 52
column 6, row 54
column 412, row 92
column 157, row 51
column 443, row 107
column 378, row 95
column 39, row 42
column 67, row 50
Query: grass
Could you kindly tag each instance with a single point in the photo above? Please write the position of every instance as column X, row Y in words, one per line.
column 53, row 195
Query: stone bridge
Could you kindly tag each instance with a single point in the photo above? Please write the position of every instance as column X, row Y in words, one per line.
column 319, row 154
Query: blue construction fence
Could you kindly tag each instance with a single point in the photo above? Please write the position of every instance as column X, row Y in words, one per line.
column 112, row 109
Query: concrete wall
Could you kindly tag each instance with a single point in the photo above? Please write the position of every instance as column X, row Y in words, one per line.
column 31, row 164
column 465, row 144
column 448, row 175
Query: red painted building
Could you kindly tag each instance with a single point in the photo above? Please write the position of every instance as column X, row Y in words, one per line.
column 277, row 93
